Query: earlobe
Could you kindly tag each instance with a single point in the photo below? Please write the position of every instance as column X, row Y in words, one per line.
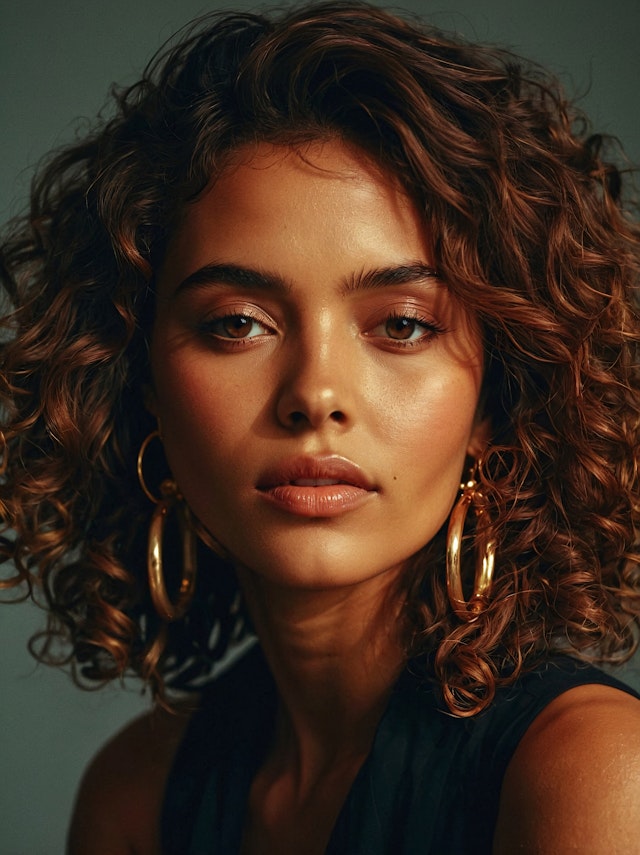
column 151, row 405
column 150, row 400
column 480, row 438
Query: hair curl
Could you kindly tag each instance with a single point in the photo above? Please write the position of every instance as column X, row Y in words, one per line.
column 529, row 229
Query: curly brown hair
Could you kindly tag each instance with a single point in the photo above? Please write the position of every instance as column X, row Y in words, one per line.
column 530, row 230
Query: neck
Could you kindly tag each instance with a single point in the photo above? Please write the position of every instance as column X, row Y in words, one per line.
column 335, row 656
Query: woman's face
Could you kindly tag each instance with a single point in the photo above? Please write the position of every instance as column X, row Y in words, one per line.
column 316, row 384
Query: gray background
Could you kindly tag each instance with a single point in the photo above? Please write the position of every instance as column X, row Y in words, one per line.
column 57, row 60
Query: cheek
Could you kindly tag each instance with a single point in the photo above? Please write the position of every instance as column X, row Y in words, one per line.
column 198, row 417
column 190, row 392
column 432, row 421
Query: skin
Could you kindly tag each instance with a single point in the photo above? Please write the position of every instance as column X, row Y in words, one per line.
column 317, row 373
column 297, row 357
column 324, row 367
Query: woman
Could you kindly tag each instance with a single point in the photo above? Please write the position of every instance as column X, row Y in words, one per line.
column 318, row 269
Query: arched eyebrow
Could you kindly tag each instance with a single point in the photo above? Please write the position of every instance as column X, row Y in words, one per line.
column 251, row 279
column 412, row 273
column 233, row 274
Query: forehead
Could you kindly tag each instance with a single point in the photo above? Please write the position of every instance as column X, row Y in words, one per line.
column 287, row 176
column 313, row 199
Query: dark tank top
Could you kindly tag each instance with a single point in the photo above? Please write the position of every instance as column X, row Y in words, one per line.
column 430, row 785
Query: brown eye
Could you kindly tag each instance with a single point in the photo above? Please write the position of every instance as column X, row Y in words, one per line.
column 400, row 329
column 236, row 326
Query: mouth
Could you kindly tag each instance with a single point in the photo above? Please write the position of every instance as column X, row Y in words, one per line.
column 316, row 486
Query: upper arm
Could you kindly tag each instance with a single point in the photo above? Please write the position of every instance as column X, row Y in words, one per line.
column 573, row 784
column 98, row 824
column 118, row 806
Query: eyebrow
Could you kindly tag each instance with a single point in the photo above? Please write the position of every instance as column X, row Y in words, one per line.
column 233, row 274
column 251, row 279
column 385, row 277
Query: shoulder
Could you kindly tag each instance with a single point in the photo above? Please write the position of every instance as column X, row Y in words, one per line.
column 573, row 783
column 118, row 806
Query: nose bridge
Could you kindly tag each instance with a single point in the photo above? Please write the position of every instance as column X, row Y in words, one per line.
column 316, row 385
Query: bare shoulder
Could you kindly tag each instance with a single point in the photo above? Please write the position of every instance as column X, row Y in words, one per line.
column 117, row 809
column 573, row 784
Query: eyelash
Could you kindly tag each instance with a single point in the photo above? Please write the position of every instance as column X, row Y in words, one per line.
column 208, row 329
column 430, row 327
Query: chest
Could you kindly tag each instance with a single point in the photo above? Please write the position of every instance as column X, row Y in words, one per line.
column 281, row 819
column 430, row 784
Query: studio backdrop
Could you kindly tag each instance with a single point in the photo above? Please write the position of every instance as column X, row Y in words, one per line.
column 57, row 62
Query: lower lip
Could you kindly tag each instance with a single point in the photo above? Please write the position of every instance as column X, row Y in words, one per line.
column 326, row 501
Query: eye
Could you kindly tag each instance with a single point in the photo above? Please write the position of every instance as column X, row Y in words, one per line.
column 403, row 329
column 235, row 327
column 406, row 329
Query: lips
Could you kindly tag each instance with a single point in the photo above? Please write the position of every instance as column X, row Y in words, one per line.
column 316, row 486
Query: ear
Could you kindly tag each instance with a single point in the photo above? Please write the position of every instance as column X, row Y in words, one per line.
column 149, row 399
column 480, row 437
column 151, row 404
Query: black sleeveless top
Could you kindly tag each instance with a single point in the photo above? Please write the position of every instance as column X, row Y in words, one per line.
column 430, row 785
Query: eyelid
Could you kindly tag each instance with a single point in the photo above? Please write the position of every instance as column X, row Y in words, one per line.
column 230, row 309
column 222, row 313
column 430, row 325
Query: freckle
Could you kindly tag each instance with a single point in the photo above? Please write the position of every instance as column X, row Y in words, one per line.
column 395, row 477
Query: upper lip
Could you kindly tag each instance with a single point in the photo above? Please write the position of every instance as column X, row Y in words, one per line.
column 324, row 468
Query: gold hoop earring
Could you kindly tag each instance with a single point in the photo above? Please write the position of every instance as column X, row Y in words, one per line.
column 170, row 500
column 468, row 610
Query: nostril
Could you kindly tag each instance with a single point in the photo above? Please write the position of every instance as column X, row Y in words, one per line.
column 297, row 417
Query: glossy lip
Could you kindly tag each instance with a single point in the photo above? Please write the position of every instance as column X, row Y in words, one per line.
column 316, row 486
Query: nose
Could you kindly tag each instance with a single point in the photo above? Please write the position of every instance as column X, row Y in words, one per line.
column 315, row 391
